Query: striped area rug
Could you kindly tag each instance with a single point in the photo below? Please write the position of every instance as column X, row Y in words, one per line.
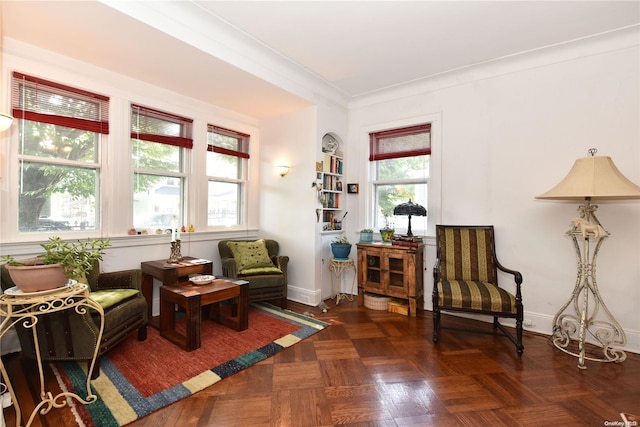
column 138, row 378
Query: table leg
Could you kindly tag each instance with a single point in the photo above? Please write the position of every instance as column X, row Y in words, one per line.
column 167, row 313
column 243, row 308
column 147, row 293
column 194, row 321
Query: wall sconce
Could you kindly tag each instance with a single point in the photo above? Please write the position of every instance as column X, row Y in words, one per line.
column 282, row 170
column 5, row 122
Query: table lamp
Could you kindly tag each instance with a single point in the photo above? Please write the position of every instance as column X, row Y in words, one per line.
column 410, row 209
column 590, row 178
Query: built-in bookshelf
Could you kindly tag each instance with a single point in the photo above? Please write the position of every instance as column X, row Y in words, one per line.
column 329, row 176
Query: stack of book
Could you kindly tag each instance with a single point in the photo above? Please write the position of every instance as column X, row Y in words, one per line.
column 411, row 242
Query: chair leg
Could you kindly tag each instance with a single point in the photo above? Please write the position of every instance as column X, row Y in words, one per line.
column 142, row 332
column 436, row 323
column 519, row 345
column 435, row 299
column 283, row 303
column 96, row 368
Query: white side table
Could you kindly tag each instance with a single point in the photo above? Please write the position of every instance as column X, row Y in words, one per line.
column 338, row 266
column 24, row 308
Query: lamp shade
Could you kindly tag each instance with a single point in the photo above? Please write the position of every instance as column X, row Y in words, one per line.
column 410, row 208
column 595, row 177
column 5, row 121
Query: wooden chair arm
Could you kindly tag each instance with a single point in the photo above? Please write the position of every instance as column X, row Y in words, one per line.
column 229, row 268
column 517, row 276
column 436, row 271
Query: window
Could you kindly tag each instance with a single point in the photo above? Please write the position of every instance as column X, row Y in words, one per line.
column 400, row 164
column 227, row 161
column 60, row 129
column 159, row 142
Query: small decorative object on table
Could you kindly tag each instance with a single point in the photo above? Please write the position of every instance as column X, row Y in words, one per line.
column 175, row 256
column 200, row 280
column 386, row 233
column 366, row 235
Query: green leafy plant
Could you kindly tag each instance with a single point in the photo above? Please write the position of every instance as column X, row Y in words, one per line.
column 342, row 241
column 76, row 258
column 387, row 225
column 366, row 230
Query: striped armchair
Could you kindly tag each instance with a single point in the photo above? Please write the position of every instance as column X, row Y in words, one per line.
column 466, row 279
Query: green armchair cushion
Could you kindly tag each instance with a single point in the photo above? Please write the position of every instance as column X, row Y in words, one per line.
column 260, row 270
column 110, row 297
column 251, row 255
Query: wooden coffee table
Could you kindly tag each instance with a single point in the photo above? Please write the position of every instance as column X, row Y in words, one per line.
column 169, row 274
column 193, row 299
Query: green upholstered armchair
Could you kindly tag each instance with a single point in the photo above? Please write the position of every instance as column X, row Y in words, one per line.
column 258, row 263
column 465, row 278
column 67, row 335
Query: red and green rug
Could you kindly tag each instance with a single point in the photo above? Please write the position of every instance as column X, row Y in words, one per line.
column 138, row 378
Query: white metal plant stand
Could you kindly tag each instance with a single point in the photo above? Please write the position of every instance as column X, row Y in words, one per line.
column 338, row 266
column 25, row 308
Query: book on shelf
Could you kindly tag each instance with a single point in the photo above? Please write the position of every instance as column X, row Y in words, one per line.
column 332, row 164
column 331, row 201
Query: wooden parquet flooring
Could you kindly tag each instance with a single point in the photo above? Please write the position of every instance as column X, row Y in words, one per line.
column 373, row 368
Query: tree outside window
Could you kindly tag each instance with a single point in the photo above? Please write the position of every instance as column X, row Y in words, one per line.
column 400, row 161
column 59, row 132
column 158, row 143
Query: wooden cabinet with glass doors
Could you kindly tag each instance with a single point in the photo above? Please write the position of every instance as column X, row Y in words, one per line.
column 395, row 271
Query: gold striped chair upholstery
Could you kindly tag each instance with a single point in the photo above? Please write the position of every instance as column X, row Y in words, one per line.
column 466, row 279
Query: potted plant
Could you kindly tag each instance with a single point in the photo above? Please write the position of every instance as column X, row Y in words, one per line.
column 366, row 235
column 60, row 262
column 341, row 248
column 387, row 231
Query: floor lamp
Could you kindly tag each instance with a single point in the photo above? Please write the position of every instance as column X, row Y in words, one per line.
column 591, row 178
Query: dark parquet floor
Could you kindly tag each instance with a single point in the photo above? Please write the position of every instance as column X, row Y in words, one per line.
column 373, row 368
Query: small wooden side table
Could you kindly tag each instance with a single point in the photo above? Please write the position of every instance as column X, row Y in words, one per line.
column 337, row 266
column 24, row 308
column 169, row 274
column 193, row 298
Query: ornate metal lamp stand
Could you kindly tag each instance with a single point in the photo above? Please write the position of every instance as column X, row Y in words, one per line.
column 585, row 312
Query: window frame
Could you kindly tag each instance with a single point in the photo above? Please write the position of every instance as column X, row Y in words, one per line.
column 184, row 143
column 381, row 152
column 242, row 153
column 42, row 110
column 369, row 174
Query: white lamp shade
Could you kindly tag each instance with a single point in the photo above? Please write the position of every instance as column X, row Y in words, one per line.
column 595, row 177
column 5, row 121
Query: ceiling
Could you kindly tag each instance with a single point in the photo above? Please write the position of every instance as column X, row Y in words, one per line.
column 350, row 48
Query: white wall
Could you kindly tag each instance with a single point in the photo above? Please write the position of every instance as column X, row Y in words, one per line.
column 511, row 130
column 287, row 203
